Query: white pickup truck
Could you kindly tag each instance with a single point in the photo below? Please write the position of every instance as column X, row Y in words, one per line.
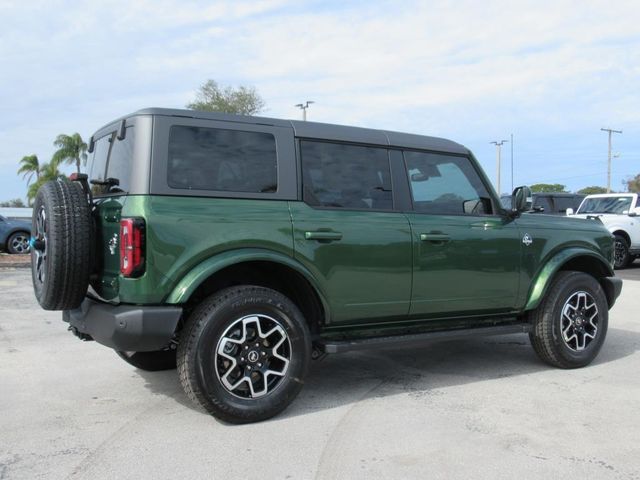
column 620, row 213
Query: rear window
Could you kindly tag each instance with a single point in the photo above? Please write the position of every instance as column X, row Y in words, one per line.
column 222, row 160
column 110, row 170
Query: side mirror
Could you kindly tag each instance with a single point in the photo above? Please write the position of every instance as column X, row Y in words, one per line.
column 569, row 211
column 521, row 199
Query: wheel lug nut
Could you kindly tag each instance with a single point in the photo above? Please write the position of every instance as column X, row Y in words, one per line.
column 246, row 347
column 264, row 354
column 257, row 344
column 259, row 364
column 248, row 367
column 242, row 359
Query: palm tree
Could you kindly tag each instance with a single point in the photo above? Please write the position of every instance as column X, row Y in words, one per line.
column 29, row 166
column 48, row 171
column 71, row 149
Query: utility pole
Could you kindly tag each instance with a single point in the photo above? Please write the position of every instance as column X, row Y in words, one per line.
column 609, row 157
column 498, row 145
column 303, row 107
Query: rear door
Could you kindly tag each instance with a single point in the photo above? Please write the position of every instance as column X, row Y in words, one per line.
column 466, row 257
column 347, row 232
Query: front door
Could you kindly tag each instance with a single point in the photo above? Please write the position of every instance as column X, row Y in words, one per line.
column 466, row 256
column 348, row 234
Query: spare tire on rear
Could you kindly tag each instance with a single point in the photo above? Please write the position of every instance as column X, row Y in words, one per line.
column 61, row 239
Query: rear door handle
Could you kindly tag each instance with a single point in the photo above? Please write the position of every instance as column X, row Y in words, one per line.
column 434, row 237
column 323, row 236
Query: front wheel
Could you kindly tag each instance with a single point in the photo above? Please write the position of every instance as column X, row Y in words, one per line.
column 570, row 324
column 621, row 256
column 18, row 243
column 244, row 353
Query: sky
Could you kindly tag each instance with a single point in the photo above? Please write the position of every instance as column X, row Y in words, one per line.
column 552, row 73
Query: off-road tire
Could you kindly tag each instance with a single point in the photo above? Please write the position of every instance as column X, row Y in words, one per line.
column 61, row 252
column 150, row 361
column 546, row 336
column 18, row 243
column 202, row 335
column 622, row 258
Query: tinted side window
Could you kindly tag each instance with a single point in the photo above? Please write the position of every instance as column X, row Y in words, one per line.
column 120, row 161
column 224, row 160
column 562, row 203
column 346, row 176
column 445, row 184
column 543, row 202
column 98, row 167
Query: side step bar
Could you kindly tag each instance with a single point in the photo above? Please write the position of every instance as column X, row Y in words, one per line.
column 410, row 340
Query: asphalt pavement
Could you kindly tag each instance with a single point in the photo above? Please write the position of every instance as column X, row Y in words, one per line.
column 476, row 408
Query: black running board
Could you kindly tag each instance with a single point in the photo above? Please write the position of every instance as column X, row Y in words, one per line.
column 342, row 346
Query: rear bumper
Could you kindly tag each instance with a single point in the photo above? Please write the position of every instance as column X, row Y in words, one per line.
column 612, row 288
column 125, row 327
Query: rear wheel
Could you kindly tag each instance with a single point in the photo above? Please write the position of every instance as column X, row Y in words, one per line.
column 621, row 257
column 244, row 354
column 570, row 324
column 18, row 243
column 150, row 361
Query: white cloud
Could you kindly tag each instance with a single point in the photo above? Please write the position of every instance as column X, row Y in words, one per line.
column 472, row 71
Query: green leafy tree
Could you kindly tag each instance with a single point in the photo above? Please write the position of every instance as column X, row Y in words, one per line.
column 15, row 203
column 633, row 184
column 211, row 97
column 29, row 166
column 547, row 187
column 71, row 149
column 592, row 190
column 48, row 171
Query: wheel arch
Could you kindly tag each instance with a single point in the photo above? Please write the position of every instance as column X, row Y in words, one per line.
column 576, row 259
column 254, row 267
column 623, row 233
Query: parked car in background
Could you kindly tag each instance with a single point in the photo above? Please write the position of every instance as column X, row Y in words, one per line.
column 549, row 203
column 619, row 213
column 14, row 235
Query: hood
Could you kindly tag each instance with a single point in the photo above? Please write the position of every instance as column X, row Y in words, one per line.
column 558, row 222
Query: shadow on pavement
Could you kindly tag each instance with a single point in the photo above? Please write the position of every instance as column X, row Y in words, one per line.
column 339, row 380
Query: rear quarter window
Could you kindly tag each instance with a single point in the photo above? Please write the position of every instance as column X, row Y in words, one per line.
column 215, row 159
column 112, row 159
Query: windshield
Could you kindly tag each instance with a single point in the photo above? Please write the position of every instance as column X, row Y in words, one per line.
column 618, row 205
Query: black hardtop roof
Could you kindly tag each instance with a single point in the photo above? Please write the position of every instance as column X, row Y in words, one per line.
column 316, row 130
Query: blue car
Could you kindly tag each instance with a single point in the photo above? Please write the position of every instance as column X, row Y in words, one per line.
column 14, row 235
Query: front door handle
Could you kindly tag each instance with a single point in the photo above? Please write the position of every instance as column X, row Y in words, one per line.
column 434, row 237
column 486, row 225
column 323, row 236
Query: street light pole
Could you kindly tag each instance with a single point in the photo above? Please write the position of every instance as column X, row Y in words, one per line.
column 498, row 145
column 303, row 107
column 609, row 157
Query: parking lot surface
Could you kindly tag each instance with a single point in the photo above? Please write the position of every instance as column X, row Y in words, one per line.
column 477, row 408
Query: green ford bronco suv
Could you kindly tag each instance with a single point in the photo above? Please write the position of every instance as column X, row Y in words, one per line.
column 240, row 248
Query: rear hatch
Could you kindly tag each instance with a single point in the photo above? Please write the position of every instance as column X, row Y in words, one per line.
column 109, row 171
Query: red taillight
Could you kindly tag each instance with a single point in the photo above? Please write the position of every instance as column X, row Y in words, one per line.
column 131, row 247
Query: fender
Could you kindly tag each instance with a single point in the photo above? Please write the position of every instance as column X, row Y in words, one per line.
column 194, row 278
column 546, row 273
